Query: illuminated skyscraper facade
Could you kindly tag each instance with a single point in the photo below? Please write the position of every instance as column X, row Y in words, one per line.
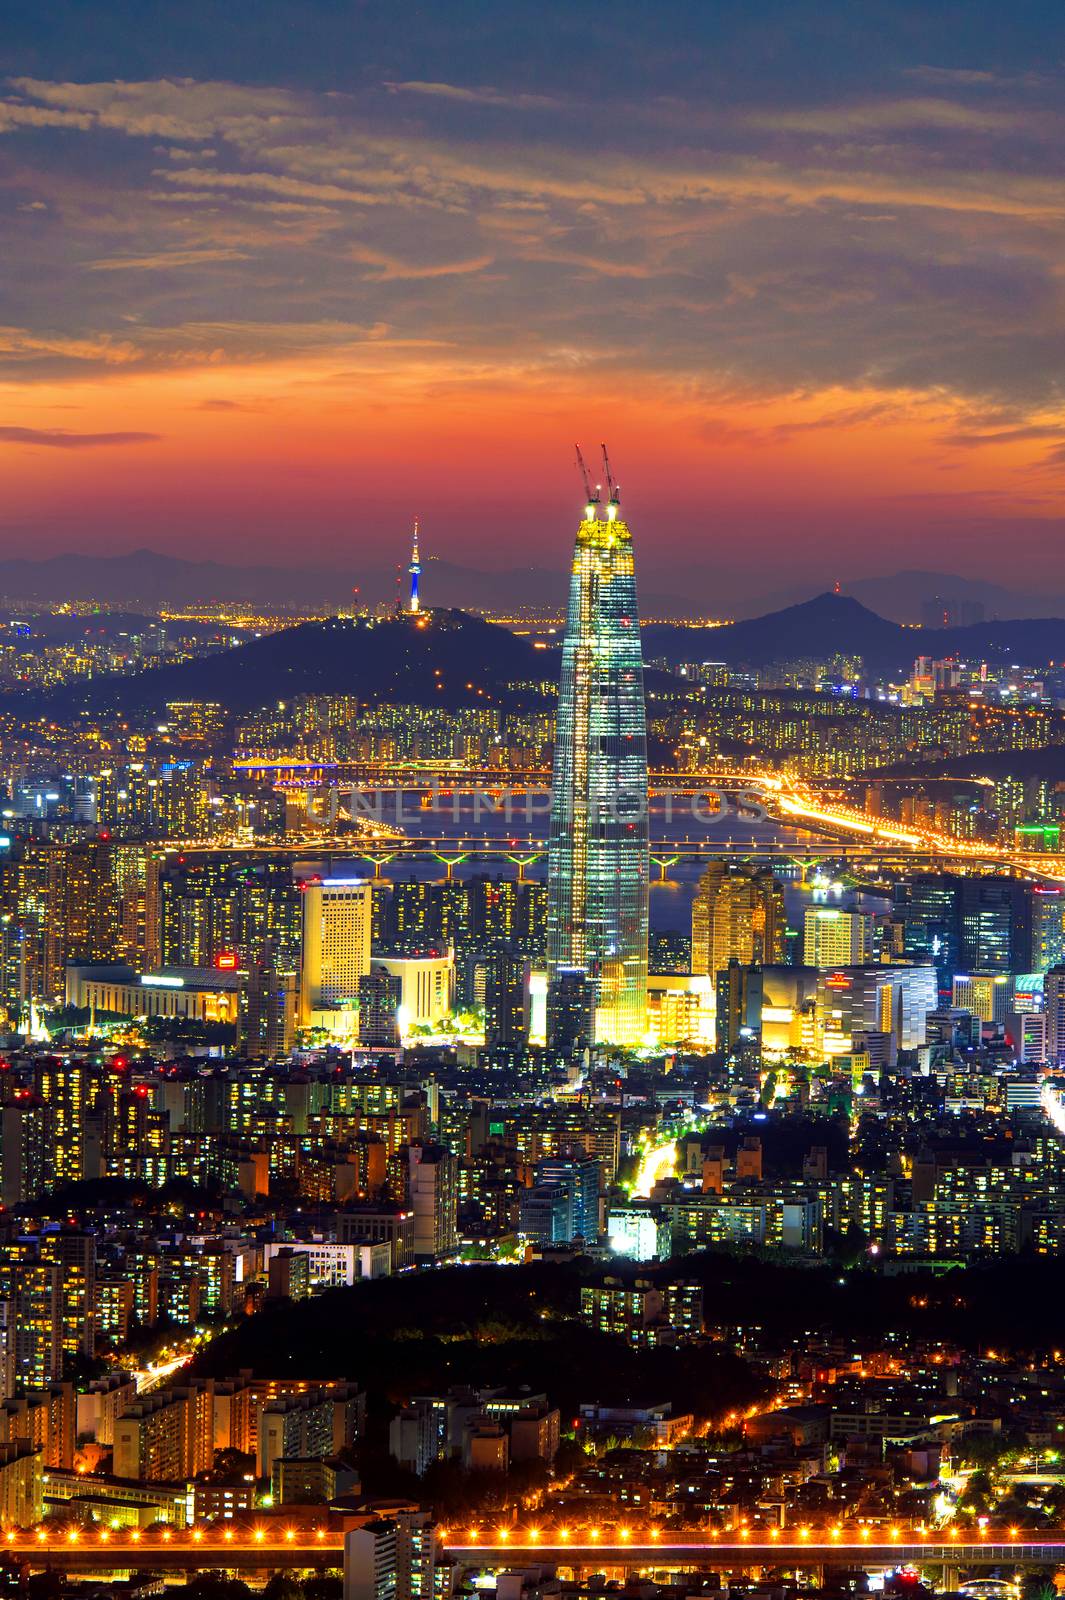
column 737, row 914
column 598, row 851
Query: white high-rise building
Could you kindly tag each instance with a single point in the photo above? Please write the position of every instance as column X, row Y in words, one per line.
column 337, row 924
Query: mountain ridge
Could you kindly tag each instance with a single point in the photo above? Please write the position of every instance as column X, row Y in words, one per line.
column 442, row 658
column 452, row 658
column 831, row 624
column 154, row 578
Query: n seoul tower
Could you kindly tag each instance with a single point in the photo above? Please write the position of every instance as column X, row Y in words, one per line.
column 415, row 572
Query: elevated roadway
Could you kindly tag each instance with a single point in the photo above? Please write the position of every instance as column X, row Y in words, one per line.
column 75, row 1549
column 789, row 1548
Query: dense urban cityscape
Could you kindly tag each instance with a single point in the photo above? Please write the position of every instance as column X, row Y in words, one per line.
column 532, row 1017
column 411, row 1154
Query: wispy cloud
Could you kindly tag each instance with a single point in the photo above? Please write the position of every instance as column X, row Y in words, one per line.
column 974, row 441
column 390, row 269
column 974, row 77
column 60, row 439
column 165, row 108
column 279, row 184
column 963, row 77
column 22, row 344
column 887, row 116
column 483, row 96
column 739, row 248
column 166, row 259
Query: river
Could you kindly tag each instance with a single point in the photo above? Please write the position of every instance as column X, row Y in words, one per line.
column 679, row 820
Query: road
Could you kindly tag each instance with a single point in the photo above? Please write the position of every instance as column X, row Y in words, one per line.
column 272, row 1547
column 865, row 1547
column 656, row 1163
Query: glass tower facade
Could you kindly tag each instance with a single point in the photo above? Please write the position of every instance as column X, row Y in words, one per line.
column 598, row 849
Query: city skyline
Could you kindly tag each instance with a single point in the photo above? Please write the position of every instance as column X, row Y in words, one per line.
column 504, row 1095
column 265, row 268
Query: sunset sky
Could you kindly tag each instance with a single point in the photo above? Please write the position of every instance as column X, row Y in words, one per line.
column 276, row 276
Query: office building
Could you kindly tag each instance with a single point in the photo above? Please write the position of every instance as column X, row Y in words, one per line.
column 928, row 906
column 1048, row 926
column 1054, row 1008
column 835, row 938
column 681, row 1009
column 858, row 1006
column 996, row 924
column 579, row 1178
column 1026, row 1034
column 985, row 994
column 337, row 920
column 427, row 986
column 738, row 1006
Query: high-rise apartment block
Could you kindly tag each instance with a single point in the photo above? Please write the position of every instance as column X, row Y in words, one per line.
column 737, row 914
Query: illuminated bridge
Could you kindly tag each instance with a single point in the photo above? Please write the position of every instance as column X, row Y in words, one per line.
column 842, row 832
column 665, row 853
column 788, row 1548
column 451, row 851
column 88, row 1550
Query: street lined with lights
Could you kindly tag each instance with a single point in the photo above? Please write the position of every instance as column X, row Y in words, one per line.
column 613, row 1545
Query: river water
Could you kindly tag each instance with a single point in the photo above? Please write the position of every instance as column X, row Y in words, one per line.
column 678, row 819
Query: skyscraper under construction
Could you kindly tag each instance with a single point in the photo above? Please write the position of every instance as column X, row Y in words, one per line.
column 598, row 852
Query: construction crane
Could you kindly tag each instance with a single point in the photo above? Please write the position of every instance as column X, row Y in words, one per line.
column 615, row 488
column 590, row 498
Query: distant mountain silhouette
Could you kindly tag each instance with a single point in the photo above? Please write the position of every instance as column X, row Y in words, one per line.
column 147, row 578
column 832, row 624
column 450, row 658
column 442, row 659
column 902, row 595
